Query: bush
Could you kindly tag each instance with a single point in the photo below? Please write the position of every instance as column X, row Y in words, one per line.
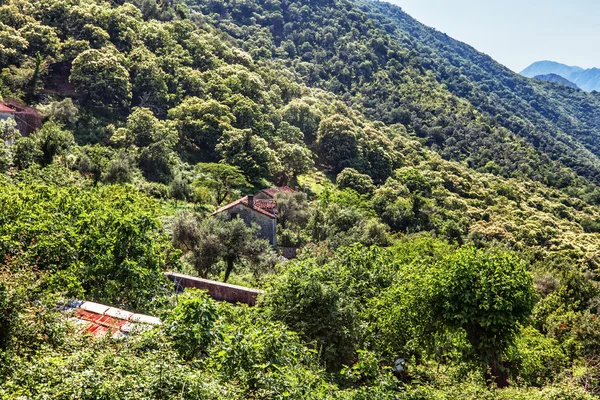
column 26, row 153
column 105, row 238
column 536, row 360
column 53, row 141
column 305, row 300
column 180, row 189
column 189, row 326
column 486, row 294
column 119, row 169
column 352, row 179
column 325, row 303
column 5, row 157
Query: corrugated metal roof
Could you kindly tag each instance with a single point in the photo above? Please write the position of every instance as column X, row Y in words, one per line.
column 100, row 320
column 118, row 313
column 145, row 319
column 94, row 307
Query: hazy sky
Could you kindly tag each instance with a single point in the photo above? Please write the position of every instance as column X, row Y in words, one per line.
column 518, row 32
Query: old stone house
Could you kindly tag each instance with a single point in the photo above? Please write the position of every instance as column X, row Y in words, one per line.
column 27, row 119
column 6, row 112
column 260, row 208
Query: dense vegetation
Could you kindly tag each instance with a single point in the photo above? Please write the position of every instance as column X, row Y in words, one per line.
column 363, row 52
column 448, row 211
column 557, row 79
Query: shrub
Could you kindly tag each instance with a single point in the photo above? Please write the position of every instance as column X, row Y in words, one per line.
column 352, row 179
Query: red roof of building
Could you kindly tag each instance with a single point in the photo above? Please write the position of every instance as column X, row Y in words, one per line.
column 259, row 206
column 267, row 205
column 273, row 191
column 264, row 206
column 5, row 109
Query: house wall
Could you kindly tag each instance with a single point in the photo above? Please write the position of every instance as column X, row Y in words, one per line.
column 25, row 123
column 28, row 122
column 4, row 116
column 268, row 225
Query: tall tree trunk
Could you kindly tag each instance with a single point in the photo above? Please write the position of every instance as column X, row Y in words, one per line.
column 497, row 374
column 32, row 84
column 229, row 269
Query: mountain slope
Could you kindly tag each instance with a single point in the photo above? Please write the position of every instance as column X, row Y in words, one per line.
column 396, row 70
column 556, row 79
column 586, row 79
column 589, row 79
column 530, row 109
column 550, row 67
column 276, row 90
column 419, row 156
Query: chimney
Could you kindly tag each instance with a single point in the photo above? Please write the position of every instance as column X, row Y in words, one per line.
column 251, row 200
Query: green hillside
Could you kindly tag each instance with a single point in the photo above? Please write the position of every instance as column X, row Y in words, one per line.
column 362, row 52
column 449, row 213
column 532, row 110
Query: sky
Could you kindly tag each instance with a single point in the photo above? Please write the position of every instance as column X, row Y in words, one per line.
column 517, row 33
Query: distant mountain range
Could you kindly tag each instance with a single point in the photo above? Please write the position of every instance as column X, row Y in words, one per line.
column 556, row 79
column 586, row 79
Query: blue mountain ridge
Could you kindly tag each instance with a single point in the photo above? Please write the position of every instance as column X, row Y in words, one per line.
column 586, row 79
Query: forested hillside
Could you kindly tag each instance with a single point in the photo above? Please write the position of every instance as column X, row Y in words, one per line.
column 447, row 212
column 362, row 58
column 540, row 117
column 556, row 79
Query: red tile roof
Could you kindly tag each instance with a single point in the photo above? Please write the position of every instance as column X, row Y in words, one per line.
column 267, row 205
column 258, row 207
column 5, row 109
column 264, row 206
column 273, row 191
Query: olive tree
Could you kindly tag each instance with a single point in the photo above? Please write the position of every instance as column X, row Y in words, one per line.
column 215, row 245
column 293, row 209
